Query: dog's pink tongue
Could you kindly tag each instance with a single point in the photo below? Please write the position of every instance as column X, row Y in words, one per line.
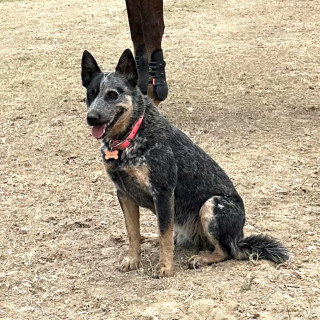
column 98, row 131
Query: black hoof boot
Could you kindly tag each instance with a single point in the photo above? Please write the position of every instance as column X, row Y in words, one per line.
column 157, row 75
column 143, row 68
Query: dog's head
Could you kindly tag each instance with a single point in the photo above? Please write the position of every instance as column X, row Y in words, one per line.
column 114, row 99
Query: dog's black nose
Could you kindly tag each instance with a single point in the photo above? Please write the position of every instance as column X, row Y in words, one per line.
column 93, row 118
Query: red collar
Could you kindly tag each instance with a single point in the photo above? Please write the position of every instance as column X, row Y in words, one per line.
column 122, row 144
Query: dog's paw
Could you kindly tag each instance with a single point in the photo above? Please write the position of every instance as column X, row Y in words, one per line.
column 164, row 272
column 129, row 263
column 195, row 262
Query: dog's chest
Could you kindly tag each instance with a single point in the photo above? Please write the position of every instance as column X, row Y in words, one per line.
column 140, row 176
column 134, row 181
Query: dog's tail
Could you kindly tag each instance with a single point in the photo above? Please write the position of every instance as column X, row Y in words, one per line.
column 261, row 246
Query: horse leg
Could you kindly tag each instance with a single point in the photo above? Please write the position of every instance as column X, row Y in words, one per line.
column 136, row 30
column 153, row 29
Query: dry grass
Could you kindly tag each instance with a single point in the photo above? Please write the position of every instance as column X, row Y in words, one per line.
column 244, row 84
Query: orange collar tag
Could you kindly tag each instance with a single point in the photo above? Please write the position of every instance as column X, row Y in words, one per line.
column 111, row 154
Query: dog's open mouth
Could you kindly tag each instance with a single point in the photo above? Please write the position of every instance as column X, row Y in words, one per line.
column 98, row 131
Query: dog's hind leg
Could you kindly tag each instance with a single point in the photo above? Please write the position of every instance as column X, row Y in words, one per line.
column 132, row 215
column 222, row 220
column 219, row 254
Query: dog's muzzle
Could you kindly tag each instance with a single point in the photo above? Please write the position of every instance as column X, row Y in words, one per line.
column 93, row 118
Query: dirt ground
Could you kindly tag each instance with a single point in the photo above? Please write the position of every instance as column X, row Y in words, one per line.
column 244, row 80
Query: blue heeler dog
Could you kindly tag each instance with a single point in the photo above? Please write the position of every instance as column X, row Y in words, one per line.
column 155, row 166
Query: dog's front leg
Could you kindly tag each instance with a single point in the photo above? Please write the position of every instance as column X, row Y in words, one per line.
column 132, row 216
column 164, row 204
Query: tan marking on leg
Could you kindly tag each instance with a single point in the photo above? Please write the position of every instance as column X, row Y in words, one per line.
column 206, row 213
column 204, row 259
column 141, row 174
column 132, row 215
column 219, row 254
column 123, row 122
column 166, row 253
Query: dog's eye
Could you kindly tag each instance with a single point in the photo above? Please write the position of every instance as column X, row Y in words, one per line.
column 112, row 94
column 92, row 94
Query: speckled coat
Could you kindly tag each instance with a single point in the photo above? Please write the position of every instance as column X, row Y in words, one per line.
column 164, row 171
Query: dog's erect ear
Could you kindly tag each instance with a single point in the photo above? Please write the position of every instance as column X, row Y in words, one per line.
column 127, row 66
column 89, row 68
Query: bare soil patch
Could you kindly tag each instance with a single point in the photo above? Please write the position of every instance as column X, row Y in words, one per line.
column 244, row 84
